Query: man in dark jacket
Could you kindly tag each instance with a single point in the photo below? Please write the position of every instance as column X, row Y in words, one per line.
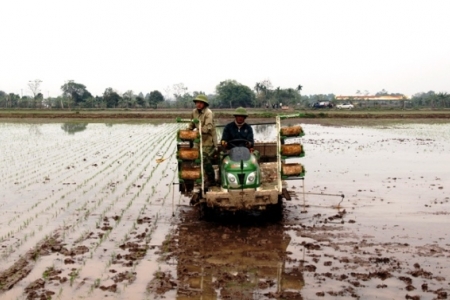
column 238, row 130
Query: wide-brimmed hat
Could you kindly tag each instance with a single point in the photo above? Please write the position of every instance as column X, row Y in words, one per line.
column 240, row 111
column 201, row 98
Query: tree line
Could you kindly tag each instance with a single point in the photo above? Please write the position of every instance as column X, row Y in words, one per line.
column 228, row 94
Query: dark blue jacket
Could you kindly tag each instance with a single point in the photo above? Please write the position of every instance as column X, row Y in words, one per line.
column 233, row 132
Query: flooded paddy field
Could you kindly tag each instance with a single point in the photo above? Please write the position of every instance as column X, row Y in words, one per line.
column 89, row 211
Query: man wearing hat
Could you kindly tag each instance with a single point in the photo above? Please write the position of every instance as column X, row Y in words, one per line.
column 209, row 135
column 238, row 130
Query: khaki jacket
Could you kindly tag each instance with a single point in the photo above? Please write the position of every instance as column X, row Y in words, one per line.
column 206, row 117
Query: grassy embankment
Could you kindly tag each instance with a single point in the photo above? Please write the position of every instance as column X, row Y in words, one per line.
column 129, row 115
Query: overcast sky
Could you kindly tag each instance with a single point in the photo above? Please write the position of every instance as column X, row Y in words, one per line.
column 326, row 46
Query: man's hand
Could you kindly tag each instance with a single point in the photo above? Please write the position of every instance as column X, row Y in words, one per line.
column 248, row 144
column 224, row 143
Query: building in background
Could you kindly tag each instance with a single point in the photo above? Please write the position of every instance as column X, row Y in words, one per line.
column 386, row 101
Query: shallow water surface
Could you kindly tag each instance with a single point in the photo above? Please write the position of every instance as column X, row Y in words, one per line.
column 89, row 211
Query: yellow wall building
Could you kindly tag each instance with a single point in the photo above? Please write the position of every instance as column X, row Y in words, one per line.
column 374, row 101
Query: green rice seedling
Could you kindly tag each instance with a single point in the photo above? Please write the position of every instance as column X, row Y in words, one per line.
column 35, row 255
column 47, row 272
column 73, row 276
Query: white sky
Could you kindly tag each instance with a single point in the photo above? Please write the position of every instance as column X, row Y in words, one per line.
column 326, row 46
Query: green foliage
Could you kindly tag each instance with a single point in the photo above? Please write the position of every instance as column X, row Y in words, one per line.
column 140, row 100
column 229, row 94
column 111, row 98
column 284, row 96
column 155, row 97
column 309, row 115
column 184, row 100
column 267, row 114
column 128, row 100
column 431, row 99
column 267, row 96
column 76, row 92
column 232, row 94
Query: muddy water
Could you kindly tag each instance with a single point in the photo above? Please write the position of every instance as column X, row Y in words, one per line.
column 386, row 239
column 87, row 212
column 392, row 240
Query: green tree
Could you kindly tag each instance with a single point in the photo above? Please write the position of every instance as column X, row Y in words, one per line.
column 427, row 99
column 182, row 97
column 443, row 99
column 231, row 94
column 140, row 100
column 38, row 99
column 90, row 102
column 287, row 96
column 34, row 86
column 383, row 92
column 129, row 99
column 260, row 96
column 4, row 99
column 155, row 98
column 25, row 101
column 111, row 98
column 75, row 93
column 264, row 92
column 184, row 101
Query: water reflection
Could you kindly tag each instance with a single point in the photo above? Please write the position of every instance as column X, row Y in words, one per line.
column 264, row 132
column 235, row 261
column 72, row 128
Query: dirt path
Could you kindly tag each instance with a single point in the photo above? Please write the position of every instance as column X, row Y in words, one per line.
column 172, row 114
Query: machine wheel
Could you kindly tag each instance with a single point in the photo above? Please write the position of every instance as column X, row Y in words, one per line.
column 206, row 213
column 275, row 211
